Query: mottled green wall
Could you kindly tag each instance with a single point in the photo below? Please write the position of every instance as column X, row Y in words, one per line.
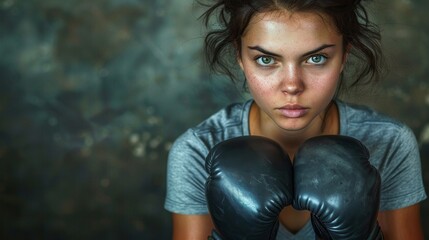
column 92, row 94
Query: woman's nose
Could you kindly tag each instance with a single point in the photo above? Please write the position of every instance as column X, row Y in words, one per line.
column 292, row 83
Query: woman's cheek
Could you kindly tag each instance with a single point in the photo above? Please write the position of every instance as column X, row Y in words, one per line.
column 260, row 85
column 325, row 81
column 265, row 79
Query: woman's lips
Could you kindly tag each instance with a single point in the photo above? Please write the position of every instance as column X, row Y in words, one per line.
column 293, row 111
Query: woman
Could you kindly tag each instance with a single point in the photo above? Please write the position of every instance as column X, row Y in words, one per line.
column 293, row 55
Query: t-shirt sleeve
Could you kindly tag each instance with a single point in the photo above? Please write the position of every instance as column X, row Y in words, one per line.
column 186, row 176
column 402, row 183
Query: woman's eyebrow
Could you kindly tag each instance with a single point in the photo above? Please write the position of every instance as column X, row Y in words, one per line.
column 260, row 49
column 318, row 49
column 264, row 51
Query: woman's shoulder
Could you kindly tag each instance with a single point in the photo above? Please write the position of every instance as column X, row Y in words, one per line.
column 230, row 116
column 362, row 116
column 372, row 126
column 230, row 121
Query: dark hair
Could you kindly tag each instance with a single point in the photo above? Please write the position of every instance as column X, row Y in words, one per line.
column 349, row 16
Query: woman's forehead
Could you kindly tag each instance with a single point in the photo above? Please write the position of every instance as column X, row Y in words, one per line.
column 285, row 24
column 293, row 20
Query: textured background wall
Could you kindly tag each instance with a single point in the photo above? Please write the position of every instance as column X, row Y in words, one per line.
column 92, row 94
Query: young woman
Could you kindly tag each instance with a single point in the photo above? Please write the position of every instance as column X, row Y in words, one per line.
column 293, row 54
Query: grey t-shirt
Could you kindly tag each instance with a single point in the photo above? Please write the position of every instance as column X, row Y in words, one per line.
column 392, row 146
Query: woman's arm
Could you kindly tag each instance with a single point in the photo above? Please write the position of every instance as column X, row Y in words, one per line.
column 403, row 223
column 190, row 227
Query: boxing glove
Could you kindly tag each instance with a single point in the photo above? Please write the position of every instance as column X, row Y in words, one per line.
column 250, row 181
column 334, row 180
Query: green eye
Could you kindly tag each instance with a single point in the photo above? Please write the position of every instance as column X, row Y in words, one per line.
column 265, row 61
column 317, row 59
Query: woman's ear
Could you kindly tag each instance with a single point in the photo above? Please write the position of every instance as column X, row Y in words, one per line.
column 346, row 55
column 238, row 56
column 240, row 62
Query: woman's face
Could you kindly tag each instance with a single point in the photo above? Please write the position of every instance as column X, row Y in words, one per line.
column 292, row 63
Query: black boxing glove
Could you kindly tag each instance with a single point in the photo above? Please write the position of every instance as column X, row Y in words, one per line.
column 250, row 181
column 336, row 183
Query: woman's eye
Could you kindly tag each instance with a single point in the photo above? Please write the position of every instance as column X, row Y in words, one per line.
column 265, row 61
column 317, row 59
